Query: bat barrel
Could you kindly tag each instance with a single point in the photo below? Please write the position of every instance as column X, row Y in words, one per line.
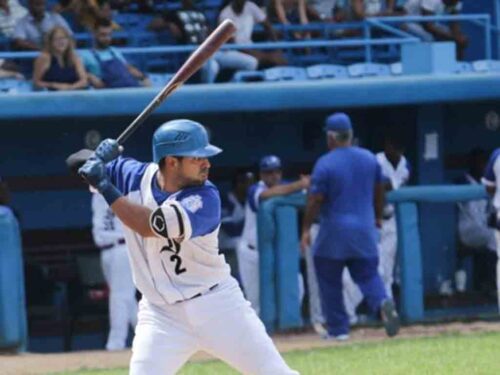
column 214, row 41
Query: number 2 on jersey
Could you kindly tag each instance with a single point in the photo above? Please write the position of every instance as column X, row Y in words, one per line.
column 175, row 248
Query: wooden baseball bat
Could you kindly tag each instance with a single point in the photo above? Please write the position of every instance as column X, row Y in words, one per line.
column 204, row 51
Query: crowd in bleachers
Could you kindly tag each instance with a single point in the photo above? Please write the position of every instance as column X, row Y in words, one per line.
column 28, row 25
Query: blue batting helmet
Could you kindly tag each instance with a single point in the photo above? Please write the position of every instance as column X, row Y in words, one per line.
column 269, row 163
column 182, row 138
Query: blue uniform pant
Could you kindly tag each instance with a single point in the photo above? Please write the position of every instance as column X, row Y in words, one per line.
column 364, row 273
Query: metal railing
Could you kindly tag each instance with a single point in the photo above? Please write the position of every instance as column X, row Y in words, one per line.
column 396, row 37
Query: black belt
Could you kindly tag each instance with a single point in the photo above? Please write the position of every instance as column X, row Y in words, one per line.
column 120, row 241
column 199, row 294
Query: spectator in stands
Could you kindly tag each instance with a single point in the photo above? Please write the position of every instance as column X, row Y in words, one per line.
column 233, row 218
column 492, row 181
column 371, row 8
column 429, row 31
column 30, row 31
column 270, row 185
column 84, row 14
column 59, row 67
column 188, row 24
column 245, row 14
column 322, row 10
column 106, row 67
column 474, row 233
column 288, row 12
column 11, row 11
column 346, row 186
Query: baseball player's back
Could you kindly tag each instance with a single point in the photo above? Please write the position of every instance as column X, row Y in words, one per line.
column 347, row 176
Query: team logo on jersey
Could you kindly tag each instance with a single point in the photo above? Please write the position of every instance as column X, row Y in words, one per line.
column 192, row 203
column 158, row 223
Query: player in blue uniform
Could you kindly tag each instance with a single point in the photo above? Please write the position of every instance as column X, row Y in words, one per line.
column 344, row 186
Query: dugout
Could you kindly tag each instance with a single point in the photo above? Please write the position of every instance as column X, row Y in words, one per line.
column 442, row 116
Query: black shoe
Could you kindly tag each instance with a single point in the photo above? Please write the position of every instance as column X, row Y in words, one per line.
column 390, row 318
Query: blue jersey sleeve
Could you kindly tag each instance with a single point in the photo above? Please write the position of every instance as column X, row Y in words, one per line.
column 319, row 179
column 203, row 206
column 253, row 195
column 126, row 173
column 489, row 173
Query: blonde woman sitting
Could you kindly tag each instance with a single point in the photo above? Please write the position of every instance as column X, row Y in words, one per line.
column 58, row 67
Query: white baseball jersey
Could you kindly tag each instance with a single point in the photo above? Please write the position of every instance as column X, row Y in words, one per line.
column 249, row 234
column 398, row 176
column 107, row 229
column 183, row 259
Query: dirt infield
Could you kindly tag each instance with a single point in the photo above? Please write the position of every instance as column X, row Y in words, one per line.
column 50, row 363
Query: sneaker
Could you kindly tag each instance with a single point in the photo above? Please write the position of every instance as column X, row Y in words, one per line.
column 343, row 337
column 390, row 318
column 320, row 329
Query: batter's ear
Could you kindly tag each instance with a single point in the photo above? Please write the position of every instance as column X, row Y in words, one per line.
column 77, row 159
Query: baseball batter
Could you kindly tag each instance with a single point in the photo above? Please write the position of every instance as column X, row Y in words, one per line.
column 108, row 236
column 171, row 214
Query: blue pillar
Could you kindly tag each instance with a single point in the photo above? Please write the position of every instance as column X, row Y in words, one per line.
column 13, row 326
column 412, row 292
column 287, row 268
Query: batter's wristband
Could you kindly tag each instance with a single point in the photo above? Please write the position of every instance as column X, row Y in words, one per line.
column 111, row 194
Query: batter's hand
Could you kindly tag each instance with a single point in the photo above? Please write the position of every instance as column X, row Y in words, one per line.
column 94, row 172
column 305, row 241
column 108, row 150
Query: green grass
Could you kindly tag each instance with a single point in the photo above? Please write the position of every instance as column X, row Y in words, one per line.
column 448, row 354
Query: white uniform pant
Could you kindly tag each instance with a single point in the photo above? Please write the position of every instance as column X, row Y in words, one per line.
column 248, row 264
column 219, row 322
column 387, row 253
column 315, row 310
column 122, row 302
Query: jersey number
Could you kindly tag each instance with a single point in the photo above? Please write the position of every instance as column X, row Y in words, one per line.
column 175, row 248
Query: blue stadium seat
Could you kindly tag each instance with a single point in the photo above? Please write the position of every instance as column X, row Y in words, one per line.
column 159, row 80
column 486, row 66
column 396, row 68
column 463, row 67
column 326, row 71
column 11, row 85
column 285, row 73
column 368, row 70
column 248, row 76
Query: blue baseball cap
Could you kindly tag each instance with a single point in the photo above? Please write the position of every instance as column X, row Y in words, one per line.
column 269, row 163
column 339, row 121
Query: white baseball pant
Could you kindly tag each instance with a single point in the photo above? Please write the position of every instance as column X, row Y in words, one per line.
column 122, row 303
column 220, row 322
column 315, row 311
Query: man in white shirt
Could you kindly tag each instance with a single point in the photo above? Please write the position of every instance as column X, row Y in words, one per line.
column 430, row 31
column 10, row 13
column 245, row 14
column 31, row 29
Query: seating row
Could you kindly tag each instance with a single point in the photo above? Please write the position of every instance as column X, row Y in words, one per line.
column 322, row 71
